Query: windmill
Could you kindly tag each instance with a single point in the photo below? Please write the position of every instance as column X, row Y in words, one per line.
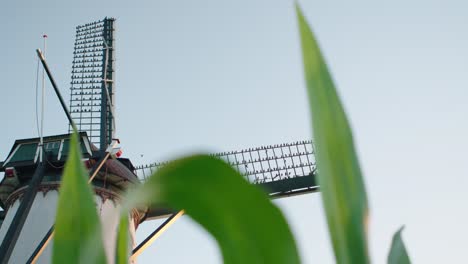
column 29, row 190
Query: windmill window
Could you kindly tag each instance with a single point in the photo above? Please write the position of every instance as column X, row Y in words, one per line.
column 52, row 145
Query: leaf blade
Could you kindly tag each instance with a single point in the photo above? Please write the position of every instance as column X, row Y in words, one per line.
column 122, row 247
column 398, row 253
column 246, row 225
column 77, row 226
column 341, row 183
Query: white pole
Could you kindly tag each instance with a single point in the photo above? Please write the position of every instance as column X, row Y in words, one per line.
column 41, row 135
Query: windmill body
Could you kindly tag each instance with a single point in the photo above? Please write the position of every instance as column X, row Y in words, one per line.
column 20, row 167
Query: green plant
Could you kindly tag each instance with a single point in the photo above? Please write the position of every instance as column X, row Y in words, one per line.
column 264, row 236
column 340, row 179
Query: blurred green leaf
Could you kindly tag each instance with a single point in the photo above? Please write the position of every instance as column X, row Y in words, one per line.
column 122, row 248
column 247, row 226
column 341, row 184
column 78, row 237
column 398, row 254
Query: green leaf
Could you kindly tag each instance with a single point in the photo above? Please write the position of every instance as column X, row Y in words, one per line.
column 398, row 254
column 341, row 184
column 122, row 248
column 240, row 216
column 78, row 237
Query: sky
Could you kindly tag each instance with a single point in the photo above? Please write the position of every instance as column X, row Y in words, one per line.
column 209, row 76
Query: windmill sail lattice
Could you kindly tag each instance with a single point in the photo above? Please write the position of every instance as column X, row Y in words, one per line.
column 92, row 87
column 282, row 169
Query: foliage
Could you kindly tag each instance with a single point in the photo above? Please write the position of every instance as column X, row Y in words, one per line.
column 247, row 227
column 398, row 254
column 340, row 179
column 77, row 226
column 343, row 193
column 122, row 250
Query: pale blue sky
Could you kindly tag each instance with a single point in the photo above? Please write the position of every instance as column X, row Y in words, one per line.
column 225, row 75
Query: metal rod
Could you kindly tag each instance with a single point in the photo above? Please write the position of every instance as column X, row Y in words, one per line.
column 42, row 245
column 41, row 135
column 105, row 80
column 54, row 85
column 156, row 233
column 21, row 214
column 96, row 168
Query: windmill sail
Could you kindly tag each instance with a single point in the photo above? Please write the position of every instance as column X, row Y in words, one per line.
column 92, row 81
column 283, row 169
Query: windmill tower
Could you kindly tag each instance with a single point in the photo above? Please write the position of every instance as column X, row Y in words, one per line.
column 29, row 190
